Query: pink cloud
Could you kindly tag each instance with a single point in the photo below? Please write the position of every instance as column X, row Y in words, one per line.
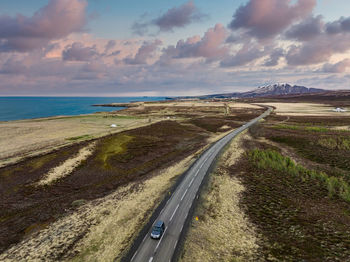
column 247, row 54
column 57, row 19
column 210, row 46
column 307, row 29
column 145, row 52
column 339, row 67
column 318, row 50
column 176, row 17
column 268, row 18
column 78, row 52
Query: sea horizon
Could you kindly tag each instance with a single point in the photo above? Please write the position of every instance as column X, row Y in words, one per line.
column 33, row 107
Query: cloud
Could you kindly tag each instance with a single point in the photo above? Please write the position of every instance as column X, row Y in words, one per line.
column 319, row 42
column 340, row 26
column 78, row 52
column 176, row 17
column 248, row 53
column 268, row 18
column 307, row 29
column 57, row 19
column 238, row 59
column 275, row 57
column 339, row 67
column 145, row 52
column 210, row 46
column 110, row 45
column 318, row 50
column 13, row 66
column 93, row 70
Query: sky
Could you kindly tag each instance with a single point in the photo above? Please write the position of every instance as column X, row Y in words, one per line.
column 171, row 48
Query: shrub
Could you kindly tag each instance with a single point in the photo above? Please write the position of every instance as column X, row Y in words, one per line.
column 340, row 143
column 271, row 159
column 332, row 185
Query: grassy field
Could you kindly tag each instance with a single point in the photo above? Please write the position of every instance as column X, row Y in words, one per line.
column 116, row 160
column 102, row 229
column 300, row 205
column 279, row 193
column 25, row 138
column 305, row 109
column 291, row 186
column 43, row 195
column 222, row 231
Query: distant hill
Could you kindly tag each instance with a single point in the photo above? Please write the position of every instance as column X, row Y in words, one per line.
column 280, row 89
column 269, row 90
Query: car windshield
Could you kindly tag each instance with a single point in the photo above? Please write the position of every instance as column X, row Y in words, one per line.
column 156, row 229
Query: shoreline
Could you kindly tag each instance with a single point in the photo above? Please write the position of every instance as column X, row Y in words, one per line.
column 56, row 117
column 121, row 105
column 32, row 108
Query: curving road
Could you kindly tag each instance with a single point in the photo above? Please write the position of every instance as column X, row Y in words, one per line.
column 175, row 212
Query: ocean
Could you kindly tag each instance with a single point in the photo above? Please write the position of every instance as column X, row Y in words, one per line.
column 16, row 108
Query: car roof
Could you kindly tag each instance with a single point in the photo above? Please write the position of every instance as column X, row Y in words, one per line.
column 159, row 223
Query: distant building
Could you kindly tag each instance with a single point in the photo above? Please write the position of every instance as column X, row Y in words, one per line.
column 338, row 109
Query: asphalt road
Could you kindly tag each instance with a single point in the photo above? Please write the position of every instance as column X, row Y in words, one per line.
column 176, row 210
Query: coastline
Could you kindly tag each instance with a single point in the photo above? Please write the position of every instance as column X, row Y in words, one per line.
column 25, row 108
column 20, row 139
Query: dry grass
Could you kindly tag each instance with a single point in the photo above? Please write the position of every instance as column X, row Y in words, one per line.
column 225, row 127
column 67, row 166
column 195, row 103
column 216, row 137
column 222, row 232
column 25, row 138
column 346, row 128
column 305, row 109
column 100, row 230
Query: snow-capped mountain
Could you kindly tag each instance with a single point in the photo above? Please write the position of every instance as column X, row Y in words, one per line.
column 280, row 89
column 269, row 90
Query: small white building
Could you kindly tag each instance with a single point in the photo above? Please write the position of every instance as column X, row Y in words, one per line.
column 338, row 109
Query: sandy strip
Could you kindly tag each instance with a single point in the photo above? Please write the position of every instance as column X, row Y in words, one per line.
column 67, row 166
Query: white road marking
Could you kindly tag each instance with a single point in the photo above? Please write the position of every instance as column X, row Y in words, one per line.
column 214, row 151
column 196, row 173
column 133, row 256
column 160, row 240
column 144, row 238
column 190, row 182
column 174, row 212
column 184, row 194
